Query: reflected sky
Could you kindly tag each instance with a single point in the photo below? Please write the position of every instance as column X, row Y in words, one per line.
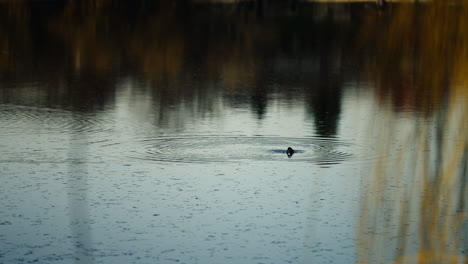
column 151, row 132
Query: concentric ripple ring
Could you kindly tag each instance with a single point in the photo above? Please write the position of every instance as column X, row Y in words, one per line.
column 209, row 148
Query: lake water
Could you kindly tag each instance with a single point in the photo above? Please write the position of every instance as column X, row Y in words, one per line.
column 147, row 132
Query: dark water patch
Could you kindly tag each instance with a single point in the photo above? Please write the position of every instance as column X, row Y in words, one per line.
column 207, row 149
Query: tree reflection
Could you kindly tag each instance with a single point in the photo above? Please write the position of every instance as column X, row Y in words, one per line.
column 325, row 96
column 15, row 35
column 178, row 51
column 418, row 47
column 415, row 211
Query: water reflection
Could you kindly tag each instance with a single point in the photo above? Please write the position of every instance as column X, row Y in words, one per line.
column 78, row 201
column 417, row 203
column 415, row 210
column 90, row 46
column 372, row 97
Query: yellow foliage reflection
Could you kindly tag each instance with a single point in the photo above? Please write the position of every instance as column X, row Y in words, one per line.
column 417, row 48
column 415, row 211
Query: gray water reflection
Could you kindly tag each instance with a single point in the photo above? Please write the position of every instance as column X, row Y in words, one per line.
column 156, row 132
column 78, row 200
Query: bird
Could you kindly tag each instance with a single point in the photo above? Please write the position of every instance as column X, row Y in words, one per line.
column 290, row 151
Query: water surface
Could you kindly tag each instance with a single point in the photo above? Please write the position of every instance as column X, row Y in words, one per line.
column 151, row 132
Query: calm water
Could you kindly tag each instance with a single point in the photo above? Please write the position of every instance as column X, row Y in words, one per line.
column 149, row 132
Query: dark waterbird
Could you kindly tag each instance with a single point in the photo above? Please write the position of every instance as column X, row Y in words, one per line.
column 290, row 151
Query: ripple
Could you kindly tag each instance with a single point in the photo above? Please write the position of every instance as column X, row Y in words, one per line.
column 208, row 149
column 38, row 120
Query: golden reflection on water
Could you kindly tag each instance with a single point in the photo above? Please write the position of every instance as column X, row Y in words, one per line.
column 420, row 50
column 415, row 210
